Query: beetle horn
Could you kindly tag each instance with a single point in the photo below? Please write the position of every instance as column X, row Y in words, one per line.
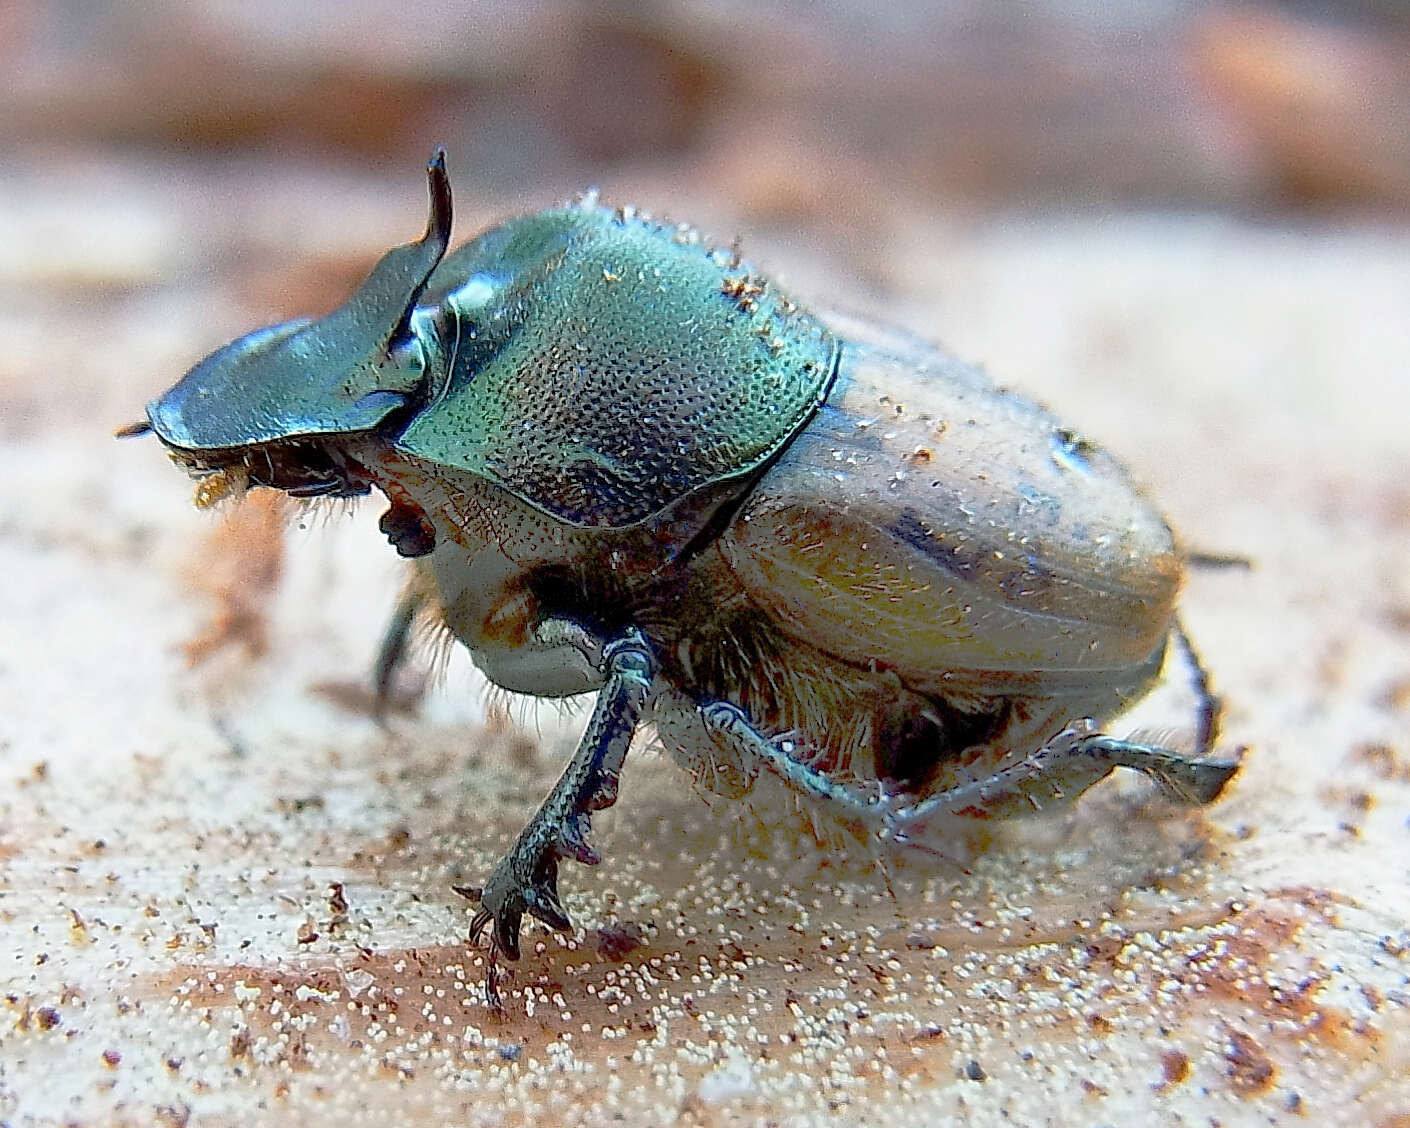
column 437, row 237
column 314, row 377
column 438, row 225
column 385, row 300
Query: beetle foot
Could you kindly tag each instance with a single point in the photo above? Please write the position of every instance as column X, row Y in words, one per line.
column 526, row 879
column 1061, row 771
column 1181, row 779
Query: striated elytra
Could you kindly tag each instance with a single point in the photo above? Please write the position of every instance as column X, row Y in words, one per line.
column 623, row 462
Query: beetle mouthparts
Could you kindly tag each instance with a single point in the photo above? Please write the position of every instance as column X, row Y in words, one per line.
column 300, row 468
column 133, row 430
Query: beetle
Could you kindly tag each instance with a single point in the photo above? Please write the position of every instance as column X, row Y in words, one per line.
column 623, row 462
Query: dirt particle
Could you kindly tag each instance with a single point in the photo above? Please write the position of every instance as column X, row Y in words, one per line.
column 1250, row 1069
column 337, row 902
column 1397, row 695
column 1397, row 944
column 176, row 1116
column 1174, row 1068
column 1382, row 760
column 617, row 941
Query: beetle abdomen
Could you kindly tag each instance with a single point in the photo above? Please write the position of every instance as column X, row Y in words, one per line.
column 929, row 523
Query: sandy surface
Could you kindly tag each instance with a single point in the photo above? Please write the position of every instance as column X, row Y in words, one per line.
column 225, row 893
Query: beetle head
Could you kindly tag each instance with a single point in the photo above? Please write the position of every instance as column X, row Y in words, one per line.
column 276, row 403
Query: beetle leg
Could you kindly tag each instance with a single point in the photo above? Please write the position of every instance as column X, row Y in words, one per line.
column 526, row 879
column 391, row 654
column 1062, row 770
column 1208, row 705
column 732, row 725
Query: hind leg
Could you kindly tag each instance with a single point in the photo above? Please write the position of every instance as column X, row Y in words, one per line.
column 1061, row 770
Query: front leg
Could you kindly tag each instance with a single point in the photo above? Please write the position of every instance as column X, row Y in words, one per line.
column 391, row 654
column 526, row 879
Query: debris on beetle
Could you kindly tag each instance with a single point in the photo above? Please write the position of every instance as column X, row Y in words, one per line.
column 229, row 482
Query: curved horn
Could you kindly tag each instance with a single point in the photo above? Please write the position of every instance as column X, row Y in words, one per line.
column 313, row 377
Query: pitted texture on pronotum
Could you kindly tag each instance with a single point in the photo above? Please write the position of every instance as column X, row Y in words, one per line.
column 608, row 366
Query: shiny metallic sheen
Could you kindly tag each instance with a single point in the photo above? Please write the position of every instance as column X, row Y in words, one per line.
column 610, row 366
column 803, row 549
column 320, row 377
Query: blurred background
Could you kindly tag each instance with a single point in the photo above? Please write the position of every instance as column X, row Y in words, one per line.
column 1132, row 210
column 259, row 152
column 819, row 112
column 1182, row 223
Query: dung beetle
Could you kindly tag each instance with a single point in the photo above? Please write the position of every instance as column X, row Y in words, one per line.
column 623, row 462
